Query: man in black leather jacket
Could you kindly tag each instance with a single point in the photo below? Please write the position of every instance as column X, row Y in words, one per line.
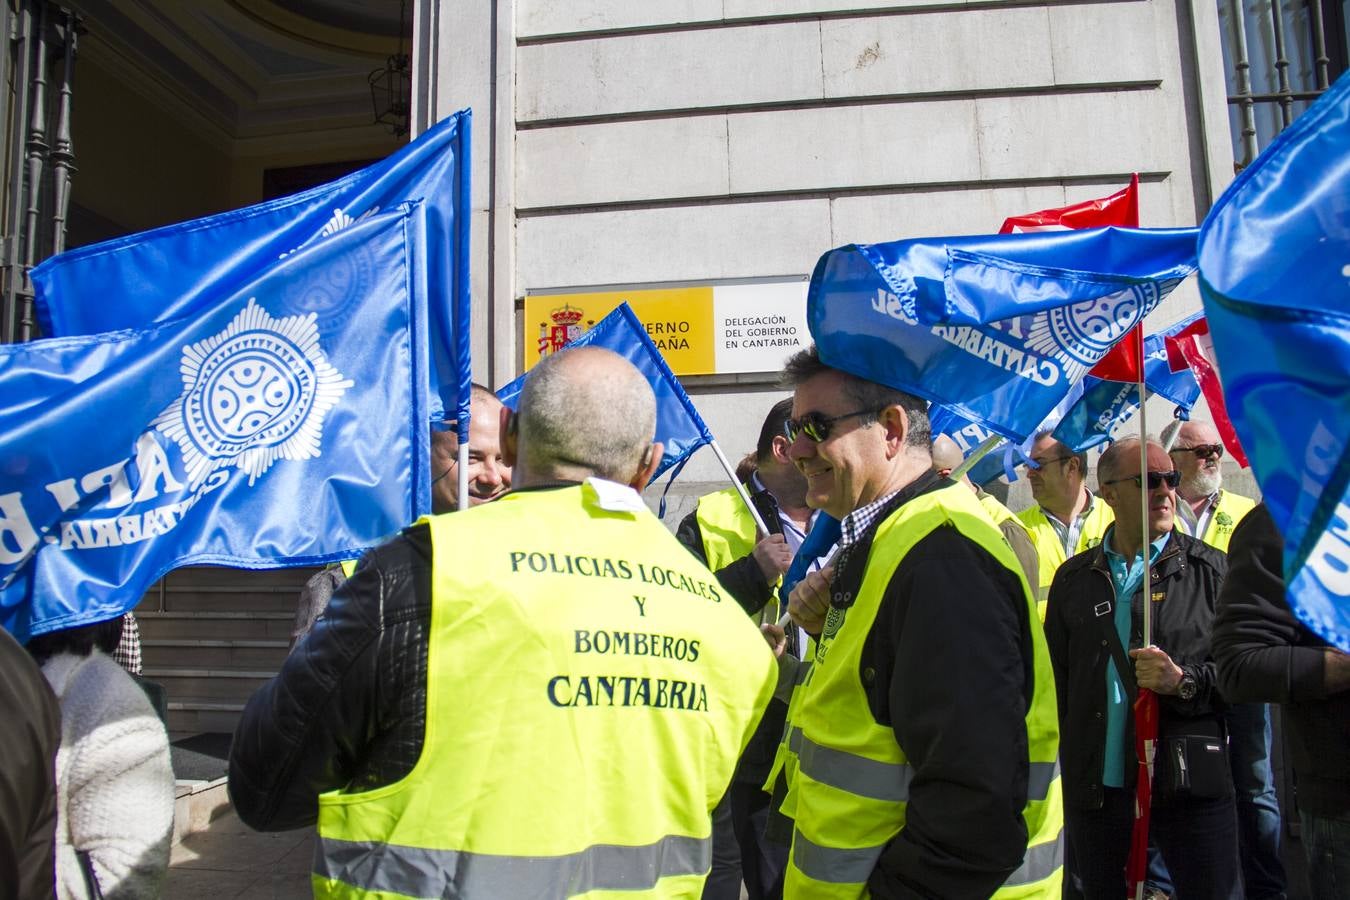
column 1198, row 837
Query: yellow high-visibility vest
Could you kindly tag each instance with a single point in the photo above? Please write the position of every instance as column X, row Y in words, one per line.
column 729, row 533
column 589, row 690
column 1229, row 510
column 1050, row 550
column 850, row 789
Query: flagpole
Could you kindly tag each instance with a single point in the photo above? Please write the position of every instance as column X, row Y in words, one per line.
column 986, row 446
column 462, row 474
column 740, row 488
column 1145, row 561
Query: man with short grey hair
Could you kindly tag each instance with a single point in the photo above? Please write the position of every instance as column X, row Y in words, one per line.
column 543, row 696
column 920, row 750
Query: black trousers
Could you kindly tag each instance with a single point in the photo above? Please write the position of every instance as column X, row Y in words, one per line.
column 1198, row 840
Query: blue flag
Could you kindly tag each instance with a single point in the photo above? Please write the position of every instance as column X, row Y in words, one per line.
column 1275, row 278
column 1105, row 404
column 181, row 269
column 968, row 436
column 282, row 425
column 679, row 427
column 997, row 327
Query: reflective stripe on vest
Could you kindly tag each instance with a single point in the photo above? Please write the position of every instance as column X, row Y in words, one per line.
column 886, row 781
column 853, row 780
column 833, row 865
column 422, row 872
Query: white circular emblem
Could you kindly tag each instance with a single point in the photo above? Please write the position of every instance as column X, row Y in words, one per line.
column 255, row 393
column 253, row 390
column 1077, row 336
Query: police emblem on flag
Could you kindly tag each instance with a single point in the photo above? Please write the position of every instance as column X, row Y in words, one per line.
column 1078, row 335
column 255, row 393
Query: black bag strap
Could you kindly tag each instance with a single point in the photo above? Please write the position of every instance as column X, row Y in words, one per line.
column 90, row 879
column 1103, row 613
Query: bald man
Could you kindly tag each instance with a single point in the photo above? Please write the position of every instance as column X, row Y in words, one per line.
column 543, row 696
column 1207, row 511
column 947, row 457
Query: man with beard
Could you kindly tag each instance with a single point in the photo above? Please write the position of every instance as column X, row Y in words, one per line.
column 1211, row 513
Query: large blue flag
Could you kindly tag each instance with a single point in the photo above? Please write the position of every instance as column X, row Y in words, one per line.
column 181, row 269
column 1275, row 278
column 283, row 425
column 1105, row 404
column 997, row 327
column 679, row 427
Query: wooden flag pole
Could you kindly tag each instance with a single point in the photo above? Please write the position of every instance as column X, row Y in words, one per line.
column 979, row 453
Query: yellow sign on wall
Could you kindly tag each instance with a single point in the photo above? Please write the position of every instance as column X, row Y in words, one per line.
column 678, row 320
column 700, row 330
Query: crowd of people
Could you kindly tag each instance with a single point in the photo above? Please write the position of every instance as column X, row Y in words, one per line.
column 882, row 682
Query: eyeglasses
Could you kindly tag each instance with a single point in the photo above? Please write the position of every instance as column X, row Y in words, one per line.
column 1155, row 480
column 817, row 426
column 1202, row 451
column 1042, row 463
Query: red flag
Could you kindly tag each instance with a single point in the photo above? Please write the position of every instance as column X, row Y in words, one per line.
column 1193, row 347
column 1123, row 361
column 1121, row 208
column 1145, row 741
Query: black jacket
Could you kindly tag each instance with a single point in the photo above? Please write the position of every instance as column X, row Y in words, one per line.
column 349, row 707
column 28, row 743
column 1265, row 654
column 947, row 666
column 1185, row 585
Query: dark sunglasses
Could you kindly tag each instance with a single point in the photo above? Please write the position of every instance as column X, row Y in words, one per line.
column 1155, row 480
column 817, row 426
column 1202, row 451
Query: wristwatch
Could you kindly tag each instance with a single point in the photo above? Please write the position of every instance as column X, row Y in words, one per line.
column 1187, row 688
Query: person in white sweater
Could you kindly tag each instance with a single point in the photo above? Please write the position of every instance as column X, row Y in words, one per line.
column 114, row 782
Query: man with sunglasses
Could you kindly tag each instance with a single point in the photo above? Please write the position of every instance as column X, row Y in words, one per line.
column 1212, row 513
column 1067, row 518
column 1094, row 615
column 921, row 743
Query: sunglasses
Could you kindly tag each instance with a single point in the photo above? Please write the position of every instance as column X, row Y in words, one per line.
column 1042, row 463
column 1202, row 451
column 1155, row 480
column 817, row 426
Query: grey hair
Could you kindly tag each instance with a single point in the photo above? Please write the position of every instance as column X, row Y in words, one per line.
column 569, row 421
column 1108, row 466
column 806, row 364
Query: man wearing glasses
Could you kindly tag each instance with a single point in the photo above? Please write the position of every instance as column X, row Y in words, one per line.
column 1095, row 615
column 1067, row 518
column 920, row 758
column 1210, row 513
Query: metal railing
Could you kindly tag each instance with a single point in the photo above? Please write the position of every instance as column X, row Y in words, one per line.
column 39, row 156
column 1280, row 56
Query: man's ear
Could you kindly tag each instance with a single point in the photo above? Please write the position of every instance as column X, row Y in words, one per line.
column 508, row 434
column 779, row 448
column 650, row 460
column 896, row 426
